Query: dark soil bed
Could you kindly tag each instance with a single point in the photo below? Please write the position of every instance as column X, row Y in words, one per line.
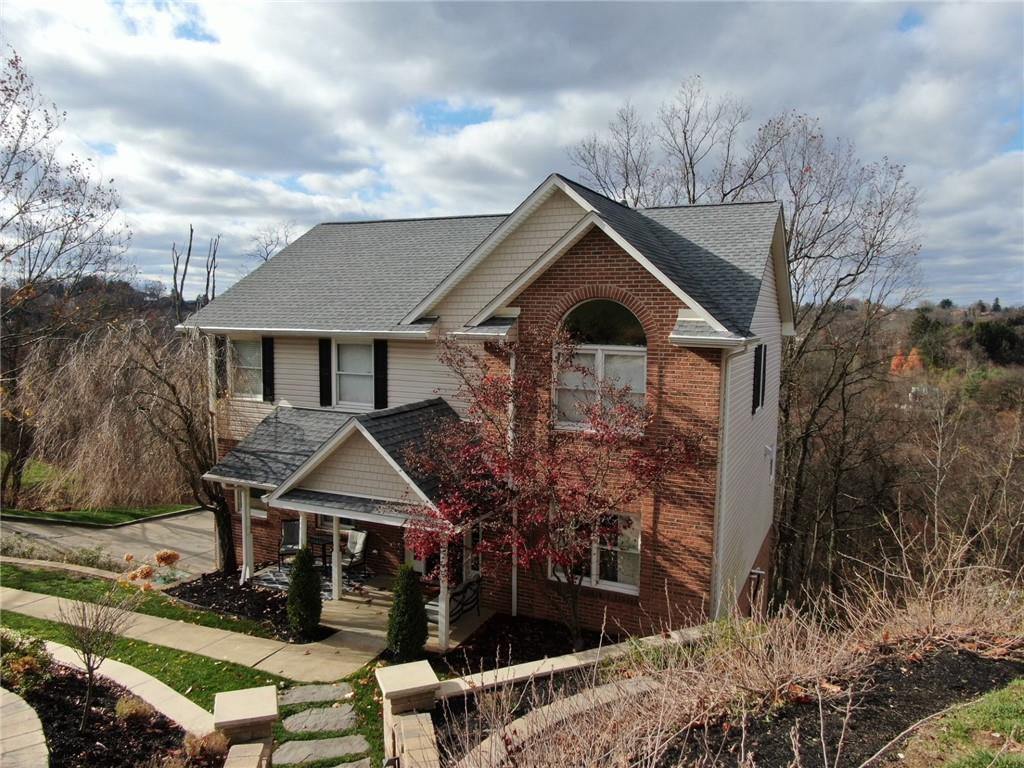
column 895, row 694
column 222, row 593
column 106, row 741
column 505, row 640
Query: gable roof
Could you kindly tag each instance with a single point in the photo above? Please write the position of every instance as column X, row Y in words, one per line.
column 278, row 445
column 715, row 253
column 353, row 276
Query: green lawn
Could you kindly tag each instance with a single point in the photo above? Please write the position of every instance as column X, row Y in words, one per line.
column 196, row 677
column 986, row 734
column 35, row 471
column 89, row 589
column 111, row 516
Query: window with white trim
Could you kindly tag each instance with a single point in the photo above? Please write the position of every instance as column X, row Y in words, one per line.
column 612, row 349
column 247, row 365
column 614, row 559
column 353, row 374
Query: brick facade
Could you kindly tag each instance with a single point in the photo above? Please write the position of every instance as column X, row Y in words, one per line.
column 683, row 389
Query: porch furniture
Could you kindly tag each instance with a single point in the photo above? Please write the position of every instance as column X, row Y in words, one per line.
column 463, row 599
column 289, row 541
column 355, row 550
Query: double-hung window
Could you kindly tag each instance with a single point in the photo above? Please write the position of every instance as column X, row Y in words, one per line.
column 247, row 362
column 593, row 365
column 613, row 558
column 354, row 374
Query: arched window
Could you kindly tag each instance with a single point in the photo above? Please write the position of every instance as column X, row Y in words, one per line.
column 611, row 348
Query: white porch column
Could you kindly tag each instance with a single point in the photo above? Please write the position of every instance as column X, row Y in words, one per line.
column 443, row 603
column 242, row 502
column 303, row 530
column 336, row 558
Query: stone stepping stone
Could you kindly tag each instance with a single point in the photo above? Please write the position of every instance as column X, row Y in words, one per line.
column 362, row 763
column 319, row 749
column 311, row 694
column 321, row 719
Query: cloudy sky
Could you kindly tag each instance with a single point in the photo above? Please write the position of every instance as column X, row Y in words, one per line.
column 235, row 117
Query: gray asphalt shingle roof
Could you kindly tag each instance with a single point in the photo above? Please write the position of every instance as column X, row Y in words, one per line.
column 715, row 253
column 355, row 276
column 288, row 437
column 279, row 445
column 366, row 276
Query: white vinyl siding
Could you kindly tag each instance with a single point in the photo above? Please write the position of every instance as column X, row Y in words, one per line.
column 357, row 468
column 538, row 232
column 747, row 483
column 297, row 371
column 237, row 416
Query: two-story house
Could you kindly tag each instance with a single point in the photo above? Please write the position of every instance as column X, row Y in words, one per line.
column 334, row 373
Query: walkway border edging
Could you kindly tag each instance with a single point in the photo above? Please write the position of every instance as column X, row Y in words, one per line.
column 98, row 526
column 163, row 698
column 57, row 565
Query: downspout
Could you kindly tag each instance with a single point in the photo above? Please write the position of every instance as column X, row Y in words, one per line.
column 723, row 413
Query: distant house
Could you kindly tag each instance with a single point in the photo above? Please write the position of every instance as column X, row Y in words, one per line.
column 333, row 351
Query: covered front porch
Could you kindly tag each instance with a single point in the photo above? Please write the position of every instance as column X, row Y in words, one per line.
column 339, row 530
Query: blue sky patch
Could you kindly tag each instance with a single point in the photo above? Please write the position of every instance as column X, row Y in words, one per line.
column 193, row 30
column 104, row 148
column 444, row 117
column 911, row 19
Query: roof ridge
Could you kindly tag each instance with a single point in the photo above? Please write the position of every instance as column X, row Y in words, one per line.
column 708, row 205
column 595, row 192
column 416, row 218
column 404, row 408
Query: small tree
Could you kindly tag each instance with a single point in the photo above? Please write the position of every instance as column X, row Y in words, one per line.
column 305, row 602
column 92, row 629
column 407, row 619
column 546, row 498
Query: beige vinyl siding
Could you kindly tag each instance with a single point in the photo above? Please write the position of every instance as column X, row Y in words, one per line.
column 746, row 493
column 357, row 468
column 538, row 232
column 297, row 371
column 236, row 416
column 415, row 373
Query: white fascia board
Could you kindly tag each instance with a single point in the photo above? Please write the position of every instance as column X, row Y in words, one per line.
column 479, row 335
column 396, row 521
column 710, row 341
column 412, row 332
column 493, row 240
column 783, row 279
column 564, row 243
column 236, row 481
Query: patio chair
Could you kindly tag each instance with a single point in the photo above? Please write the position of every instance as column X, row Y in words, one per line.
column 355, row 550
column 289, row 540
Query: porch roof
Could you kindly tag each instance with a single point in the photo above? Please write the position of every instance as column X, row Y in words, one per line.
column 341, row 505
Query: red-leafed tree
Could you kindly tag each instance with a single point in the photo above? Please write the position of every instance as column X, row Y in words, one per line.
column 543, row 495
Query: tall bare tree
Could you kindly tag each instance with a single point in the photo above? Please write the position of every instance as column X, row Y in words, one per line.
column 851, row 245
column 59, row 224
column 267, row 241
column 180, row 262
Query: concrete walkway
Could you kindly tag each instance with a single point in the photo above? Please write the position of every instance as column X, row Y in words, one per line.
column 191, row 535
column 338, row 656
column 22, row 743
column 163, row 698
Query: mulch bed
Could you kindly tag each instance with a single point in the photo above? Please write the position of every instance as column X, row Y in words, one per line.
column 896, row 693
column 106, row 741
column 222, row 593
column 505, row 640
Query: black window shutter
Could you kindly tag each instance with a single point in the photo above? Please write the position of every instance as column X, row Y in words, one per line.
column 220, row 362
column 758, row 364
column 325, row 373
column 268, row 368
column 380, row 373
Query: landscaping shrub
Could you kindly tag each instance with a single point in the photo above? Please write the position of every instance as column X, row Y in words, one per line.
column 304, row 600
column 209, row 748
column 24, row 662
column 407, row 619
column 132, row 709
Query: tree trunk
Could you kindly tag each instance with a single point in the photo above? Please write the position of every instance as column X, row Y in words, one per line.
column 225, row 536
column 90, row 677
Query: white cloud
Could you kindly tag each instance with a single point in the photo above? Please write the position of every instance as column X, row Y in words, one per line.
column 232, row 118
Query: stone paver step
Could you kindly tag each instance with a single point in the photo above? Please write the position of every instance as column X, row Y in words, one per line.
column 336, row 718
column 314, row 694
column 319, row 749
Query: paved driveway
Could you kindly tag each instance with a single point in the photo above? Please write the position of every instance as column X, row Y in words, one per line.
column 190, row 535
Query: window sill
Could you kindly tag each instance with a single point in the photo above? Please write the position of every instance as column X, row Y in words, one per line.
column 357, row 407
column 248, row 398
column 604, row 586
